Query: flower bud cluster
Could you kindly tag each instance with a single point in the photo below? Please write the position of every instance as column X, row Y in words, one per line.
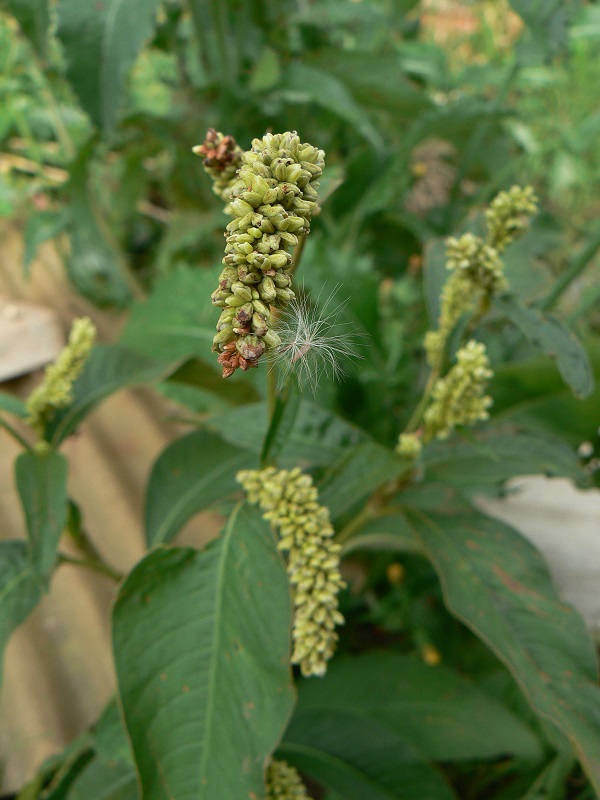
column 477, row 271
column 284, row 783
column 272, row 202
column 222, row 157
column 509, row 214
column 289, row 501
column 56, row 390
column 409, row 446
column 458, row 398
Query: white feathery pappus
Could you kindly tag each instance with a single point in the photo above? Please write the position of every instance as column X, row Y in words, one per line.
column 314, row 341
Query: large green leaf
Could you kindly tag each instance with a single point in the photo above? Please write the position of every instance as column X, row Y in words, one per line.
column 435, row 709
column 13, row 405
column 42, row 485
column 20, row 589
column 547, row 31
column 178, row 320
column 201, row 643
column 302, row 83
column 191, row 474
column 96, row 265
column 360, row 758
column 100, row 43
column 33, row 17
column 358, row 473
column 549, row 335
column 530, row 393
column 41, row 226
column 102, row 780
column 307, row 433
column 484, row 462
column 498, row 585
column 109, row 368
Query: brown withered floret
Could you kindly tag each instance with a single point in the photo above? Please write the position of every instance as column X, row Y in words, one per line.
column 218, row 151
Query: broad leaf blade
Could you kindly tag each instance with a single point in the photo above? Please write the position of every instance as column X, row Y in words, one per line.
column 548, row 334
column 436, row 710
column 100, row 42
column 191, row 474
column 42, row 486
column 20, row 590
column 359, row 758
column 206, row 702
column 96, row 265
column 109, row 368
column 497, row 584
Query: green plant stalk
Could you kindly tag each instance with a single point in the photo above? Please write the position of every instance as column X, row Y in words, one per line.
column 96, row 565
column 15, row 434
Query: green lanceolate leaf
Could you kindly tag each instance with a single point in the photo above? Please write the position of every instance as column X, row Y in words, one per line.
column 20, row 589
column 33, row 17
column 550, row 336
column 357, row 474
column 497, row 584
column 436, row 710
column 434, row 276
column 42, row 485
column 486, row 461
column 306, row 435
column 109, row 368
column 191, row 474
column 205, row 700
column 100, row 44
column 13, row 405
column 96, row 265
column 102, row 780
column 359, row 758
column 40, row 227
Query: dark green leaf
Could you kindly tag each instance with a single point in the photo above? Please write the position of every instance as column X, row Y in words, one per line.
column 302, row 83
column 547, row 31
column 33, row 17
column 109, row 368
column 550, row 785
column 484, row 462
column 313, row 435
column 205, row 702
column 110, row 740
column 100, row 44
column 96, row 265
column 191, row 474
column 40, row 227
column 12, row 404
column 358, row 473
column 550, row 336
column 20, row 589
column 531, row 393
column 101, row 780
column 389, row 532
column 435, row 709
column 434, row 276
column 497, row 584
column 42, row 485
column 178, row 320
column 360, row 758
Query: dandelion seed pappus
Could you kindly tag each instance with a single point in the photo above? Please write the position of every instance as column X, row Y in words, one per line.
column 314, row 341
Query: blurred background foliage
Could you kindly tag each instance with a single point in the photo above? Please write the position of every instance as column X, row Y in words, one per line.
column 425, row 110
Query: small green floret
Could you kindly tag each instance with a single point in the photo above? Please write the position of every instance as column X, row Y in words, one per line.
column 284, row 782
column 56, row 390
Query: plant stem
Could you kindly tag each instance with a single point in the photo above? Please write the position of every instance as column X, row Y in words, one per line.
column 15, row 434
column 97, row 565
column 415, row 419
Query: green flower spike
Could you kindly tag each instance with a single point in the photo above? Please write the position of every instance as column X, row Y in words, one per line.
column 284, row 783
column 272, row 202
column 222, row 157
column 458, row 398
column 56, row 390
column 289, row 501
column 477, row 271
